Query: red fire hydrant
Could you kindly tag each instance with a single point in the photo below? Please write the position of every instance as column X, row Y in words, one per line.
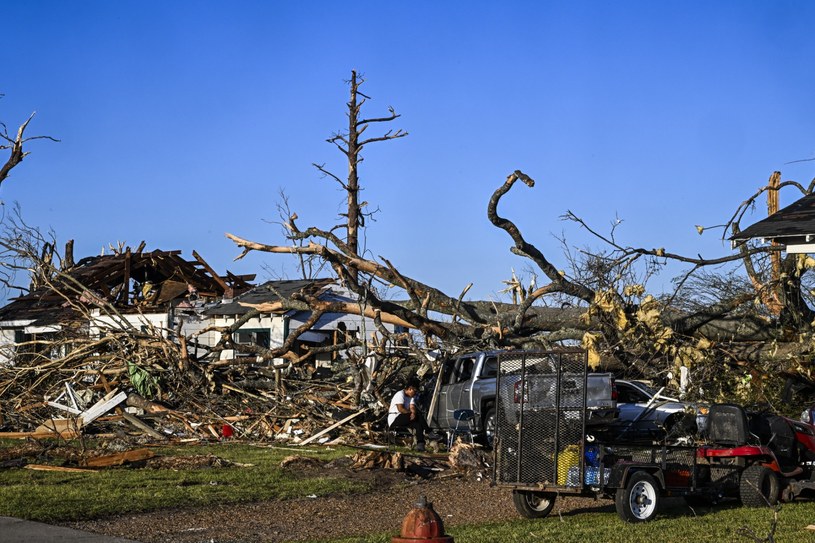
column 422, row 525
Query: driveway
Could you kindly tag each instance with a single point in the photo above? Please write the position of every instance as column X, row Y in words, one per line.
column 15, row 530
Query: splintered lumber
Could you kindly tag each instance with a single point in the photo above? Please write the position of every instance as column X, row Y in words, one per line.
column 138, row 423
column 378, row 460
column 101, row 407
column 43, row 467
column 120, row 458
column 67, row 408
column 134, row 400
column 59, row 427
column 67, row 434
column 335, row 425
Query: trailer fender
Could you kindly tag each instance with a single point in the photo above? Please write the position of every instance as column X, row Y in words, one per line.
column 621, row 474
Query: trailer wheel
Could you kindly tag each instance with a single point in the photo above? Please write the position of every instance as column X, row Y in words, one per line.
column 639, row 500
column 533, row 504
column 758, row 487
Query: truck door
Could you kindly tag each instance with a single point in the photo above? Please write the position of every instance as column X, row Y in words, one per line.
column 458, row 392
column 440, row 411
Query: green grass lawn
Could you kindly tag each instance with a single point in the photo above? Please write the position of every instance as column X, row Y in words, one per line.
column 60, row 497
column 56, row 497
column 720, row 524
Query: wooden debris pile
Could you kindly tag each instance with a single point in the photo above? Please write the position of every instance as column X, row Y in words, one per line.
column 470, row 458
column 105, row 352
column 315, row 414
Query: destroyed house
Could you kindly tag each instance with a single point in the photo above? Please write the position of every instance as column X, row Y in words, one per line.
column 140, row 290
column 272, row 326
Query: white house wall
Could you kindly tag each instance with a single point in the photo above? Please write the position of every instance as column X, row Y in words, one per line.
column 7, row 347
column 100, row 323
column 273, row 323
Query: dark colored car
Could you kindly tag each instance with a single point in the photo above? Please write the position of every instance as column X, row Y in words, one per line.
column 644, row 413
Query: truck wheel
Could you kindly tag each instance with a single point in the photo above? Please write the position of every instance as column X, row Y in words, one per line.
column 533, row 504
column 489, row 427
column 758, row 487
column 639, row 500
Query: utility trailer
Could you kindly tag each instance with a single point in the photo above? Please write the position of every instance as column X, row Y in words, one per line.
column 544, row 448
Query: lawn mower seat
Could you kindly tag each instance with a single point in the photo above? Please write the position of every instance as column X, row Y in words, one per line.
column 783, row 442
column 727, row 425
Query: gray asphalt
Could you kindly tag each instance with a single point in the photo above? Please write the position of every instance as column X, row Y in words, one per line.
column 15, row 530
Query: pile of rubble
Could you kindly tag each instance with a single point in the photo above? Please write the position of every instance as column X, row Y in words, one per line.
column 318, row 413
column 149, row 344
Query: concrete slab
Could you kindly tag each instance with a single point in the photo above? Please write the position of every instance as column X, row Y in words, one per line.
column 15, row 530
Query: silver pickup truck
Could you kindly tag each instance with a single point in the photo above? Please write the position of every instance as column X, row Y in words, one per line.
column 469, row 381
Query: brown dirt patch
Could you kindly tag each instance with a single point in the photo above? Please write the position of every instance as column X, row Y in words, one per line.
column 467, row 499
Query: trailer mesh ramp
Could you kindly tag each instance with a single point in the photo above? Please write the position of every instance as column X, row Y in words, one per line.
column 541, row 418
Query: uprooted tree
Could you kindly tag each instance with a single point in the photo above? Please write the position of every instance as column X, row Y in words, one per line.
column 736, row 330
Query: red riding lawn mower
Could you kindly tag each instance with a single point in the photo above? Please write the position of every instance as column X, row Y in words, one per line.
column 758, row 457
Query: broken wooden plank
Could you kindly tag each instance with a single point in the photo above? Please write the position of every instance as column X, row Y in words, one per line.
column 44, row 467
column 212, row 272
column 120, row 458
column 236, row 418
column 141, row 425
column 241, row 391
column 67, row 408
column 212, row 431
column 60, row 427
column 101, row 407
column 67, row 434
column 335, row 425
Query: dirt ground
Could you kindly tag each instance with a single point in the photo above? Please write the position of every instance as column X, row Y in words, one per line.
column 458, row 499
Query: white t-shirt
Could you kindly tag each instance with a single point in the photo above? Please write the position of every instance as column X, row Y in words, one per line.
column 399, row 398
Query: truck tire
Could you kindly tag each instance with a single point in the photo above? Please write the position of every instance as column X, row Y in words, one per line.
column 489, row 425
column 639, row 500
column 758, row 487
column 532, row 504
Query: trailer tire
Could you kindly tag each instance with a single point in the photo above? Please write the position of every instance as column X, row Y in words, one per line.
column 758, row 487
column 532, row 504
column 639, row 500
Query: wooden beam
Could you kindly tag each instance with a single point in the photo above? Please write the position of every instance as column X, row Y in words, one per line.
column 218, row 278
column 67, row 434
column 43, row 467
column 336, row 425
column 120, row 458
column 124, row 295
column 141, row 425
column 101, row 407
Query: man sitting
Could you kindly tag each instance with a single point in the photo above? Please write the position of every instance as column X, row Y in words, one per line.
column 404, row 412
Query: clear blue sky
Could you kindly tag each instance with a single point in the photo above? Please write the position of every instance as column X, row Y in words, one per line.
column 181, row 121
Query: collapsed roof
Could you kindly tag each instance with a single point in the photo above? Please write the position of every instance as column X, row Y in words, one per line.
column 129, row 281
column 271, row 291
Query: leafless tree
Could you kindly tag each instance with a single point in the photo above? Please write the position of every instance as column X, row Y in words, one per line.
column 14, row 144
column 603, row 303
column 351, row 144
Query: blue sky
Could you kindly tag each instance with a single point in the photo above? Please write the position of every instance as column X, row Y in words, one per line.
column 180, row 121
